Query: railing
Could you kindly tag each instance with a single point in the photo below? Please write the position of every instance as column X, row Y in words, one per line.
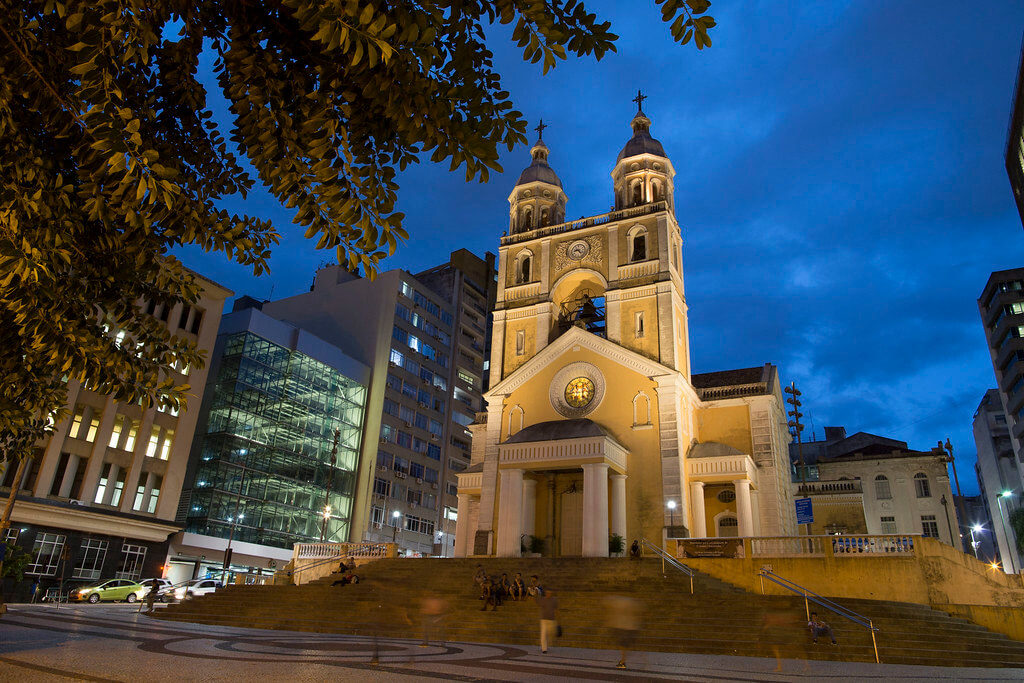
column 830, row 487
column 788, row 546
column 610, row 217
column 316, row 551
column 810, row 596
column 668, row 560
column 840, row 545
column 714, row 393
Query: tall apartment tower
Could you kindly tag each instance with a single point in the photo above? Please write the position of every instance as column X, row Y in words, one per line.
column 420, row 393
column 1002, row 313
column 1015, row 141
column 469, row 283
column 99, row 500
column 997, row 472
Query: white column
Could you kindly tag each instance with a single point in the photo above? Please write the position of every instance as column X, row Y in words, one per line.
column 510, row 513
column 595, row 510
column 529, row 507
column 462, row 526
column 619, row 506
column 543, row 325
column 699, row 528
column 744, row 513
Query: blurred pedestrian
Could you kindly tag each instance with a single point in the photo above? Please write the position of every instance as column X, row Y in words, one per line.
column 623, row 617
column 548, row 618
column 154, row 588
column 487, row 594
column 433, row 610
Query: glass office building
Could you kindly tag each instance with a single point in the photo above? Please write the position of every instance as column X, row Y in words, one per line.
column 262, row 470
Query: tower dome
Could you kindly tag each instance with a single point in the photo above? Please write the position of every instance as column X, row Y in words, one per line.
column 537, row 200
column 643, row 173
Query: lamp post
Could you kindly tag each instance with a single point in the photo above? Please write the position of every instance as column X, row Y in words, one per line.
column 949, row 526
column 327, row 491
column 394, row 527
column 795, row 425
column 671, row 514
column 977, row 528
column 948, row 448
column 1010, row 550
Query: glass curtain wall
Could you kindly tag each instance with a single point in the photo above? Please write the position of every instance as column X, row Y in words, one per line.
column 265, row 462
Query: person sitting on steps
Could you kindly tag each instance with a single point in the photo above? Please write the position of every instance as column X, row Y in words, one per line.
column 820, row 628
column 518, row 588
column 488, row 595
column 634, row 550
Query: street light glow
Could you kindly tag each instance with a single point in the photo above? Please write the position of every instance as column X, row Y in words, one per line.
column 671, row 505
column 396, row 514
column 977, row 528
column 1006, row 494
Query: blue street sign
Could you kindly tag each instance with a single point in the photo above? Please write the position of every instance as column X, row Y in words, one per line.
column 804, row 513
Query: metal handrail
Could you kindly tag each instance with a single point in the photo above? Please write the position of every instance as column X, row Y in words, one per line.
column 671, row 561
column 810, row 596
column 319, row 563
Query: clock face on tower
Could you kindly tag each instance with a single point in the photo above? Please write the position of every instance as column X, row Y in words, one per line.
column 577, row 250
column 579, row 392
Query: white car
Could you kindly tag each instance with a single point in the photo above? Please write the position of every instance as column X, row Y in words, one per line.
column 164, row 588
column 196, row 587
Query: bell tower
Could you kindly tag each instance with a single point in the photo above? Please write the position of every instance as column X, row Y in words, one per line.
column 537, row 200
column 616, row 275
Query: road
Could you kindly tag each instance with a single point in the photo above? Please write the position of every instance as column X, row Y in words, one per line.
column 116, row 643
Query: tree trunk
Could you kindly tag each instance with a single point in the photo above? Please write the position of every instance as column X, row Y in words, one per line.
column 5, row 520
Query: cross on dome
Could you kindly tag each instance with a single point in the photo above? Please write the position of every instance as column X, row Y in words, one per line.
column 540, row 129
column 639, row 99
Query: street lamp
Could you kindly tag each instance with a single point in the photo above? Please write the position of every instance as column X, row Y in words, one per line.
column 976, row 529
column 945, row 507
column 394, row 527
column 672, row 513
column 1009, row 538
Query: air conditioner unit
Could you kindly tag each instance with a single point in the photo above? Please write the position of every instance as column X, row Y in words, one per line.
column 423, row 405
column 400, row 475
column 434, row 437
column 433, row 485
column 378, row 525
column 419, row 480
column 408, row 424
column 384, row 441
column 382, row 468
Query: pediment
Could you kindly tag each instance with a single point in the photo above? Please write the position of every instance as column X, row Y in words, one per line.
column 578, row 337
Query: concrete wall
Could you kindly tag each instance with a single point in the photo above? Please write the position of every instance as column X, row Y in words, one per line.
column 935, row 575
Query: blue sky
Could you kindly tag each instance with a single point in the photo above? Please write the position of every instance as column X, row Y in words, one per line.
column 840, row 186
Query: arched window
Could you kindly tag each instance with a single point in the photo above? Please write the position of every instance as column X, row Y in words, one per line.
column 882, row 490
column 528, row 219
column 728, row 526
column 641, row 409
column 921, row 485
column 515, row 419
column 657, row 191
column 545, row 217
column 637, row 193
column 523, row 265
column 636, row 239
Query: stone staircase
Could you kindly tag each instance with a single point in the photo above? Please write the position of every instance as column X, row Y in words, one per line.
column 717, row 619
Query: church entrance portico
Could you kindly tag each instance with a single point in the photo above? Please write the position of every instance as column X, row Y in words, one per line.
column 585, row 518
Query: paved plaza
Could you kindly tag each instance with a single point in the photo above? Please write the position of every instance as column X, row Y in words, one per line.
column 117, row 643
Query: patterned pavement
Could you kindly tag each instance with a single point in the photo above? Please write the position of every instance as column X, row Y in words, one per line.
column 117, row 643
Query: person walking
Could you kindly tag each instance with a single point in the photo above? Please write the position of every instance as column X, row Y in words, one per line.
column 548, row 618
column 623, row 616
column 433, row 610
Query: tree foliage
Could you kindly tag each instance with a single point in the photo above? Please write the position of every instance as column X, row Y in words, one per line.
column 1017, row 524
column 15, row 562
column 111, row 158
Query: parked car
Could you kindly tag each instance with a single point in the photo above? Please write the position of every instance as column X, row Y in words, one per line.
column 114, row 589
column 164, row 589
column 196, row 587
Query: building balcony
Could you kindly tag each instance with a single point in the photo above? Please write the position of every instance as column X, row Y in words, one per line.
column 641, row 269
column 812, row 488
column 721, row 468
column 523, row 291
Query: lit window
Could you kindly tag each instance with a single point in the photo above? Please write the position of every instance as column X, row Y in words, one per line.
column 154, row 442
column 165, row 447
column 115, row 435
column 94, row 426
column 133, row 431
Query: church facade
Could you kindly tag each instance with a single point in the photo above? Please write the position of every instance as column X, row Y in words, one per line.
column 594, row 424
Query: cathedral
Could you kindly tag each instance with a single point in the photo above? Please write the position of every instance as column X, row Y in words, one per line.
column 595, row 425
